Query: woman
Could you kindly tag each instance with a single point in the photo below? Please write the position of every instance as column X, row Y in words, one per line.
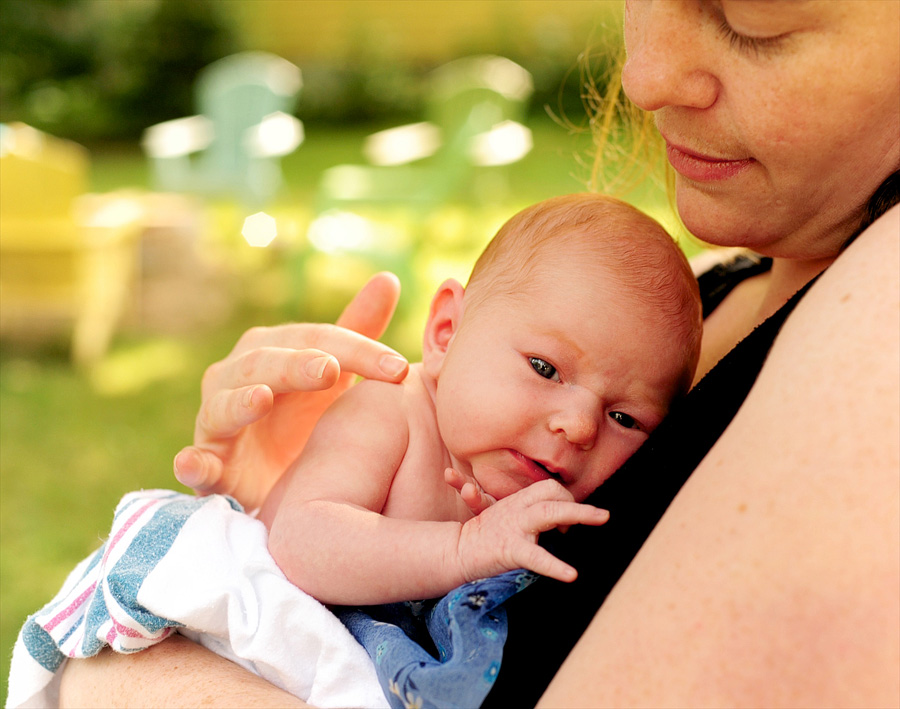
column 773, row 576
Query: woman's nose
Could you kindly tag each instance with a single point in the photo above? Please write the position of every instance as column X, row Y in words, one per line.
column 579, row 422
column 664, row 65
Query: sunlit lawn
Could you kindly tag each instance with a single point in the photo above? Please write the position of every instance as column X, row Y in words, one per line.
column 74, row 442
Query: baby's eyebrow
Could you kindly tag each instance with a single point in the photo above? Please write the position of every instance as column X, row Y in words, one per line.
column 564, row 339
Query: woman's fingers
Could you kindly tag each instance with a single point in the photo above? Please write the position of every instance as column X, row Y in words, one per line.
column 198, row 469
column 227, row 411
column 281, row 369
column 371, row 310
column 309, row 358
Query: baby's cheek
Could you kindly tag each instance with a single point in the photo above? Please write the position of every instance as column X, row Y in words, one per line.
column 609, row 462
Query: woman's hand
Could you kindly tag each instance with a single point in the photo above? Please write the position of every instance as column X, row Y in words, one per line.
column 261, row 402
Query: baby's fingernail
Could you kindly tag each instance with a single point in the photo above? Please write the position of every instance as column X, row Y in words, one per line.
column 248, row 397
column 393, row 365
column 315, row 368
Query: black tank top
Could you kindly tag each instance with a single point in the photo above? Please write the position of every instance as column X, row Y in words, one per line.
column 546, row 620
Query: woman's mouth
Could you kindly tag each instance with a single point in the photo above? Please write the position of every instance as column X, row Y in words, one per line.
column 704, row 168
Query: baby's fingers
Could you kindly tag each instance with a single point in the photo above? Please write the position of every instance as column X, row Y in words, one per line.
column 454, row 479
column 476, row 499
column 541, row 561
column 550, row 514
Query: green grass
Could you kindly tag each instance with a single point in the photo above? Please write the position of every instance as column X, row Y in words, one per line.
column 72, row 442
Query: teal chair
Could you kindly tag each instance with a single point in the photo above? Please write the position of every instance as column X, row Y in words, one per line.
column 375, row 216
column 244, row 127
column 475, row 106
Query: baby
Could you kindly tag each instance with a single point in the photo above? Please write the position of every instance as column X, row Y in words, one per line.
column 579, row 326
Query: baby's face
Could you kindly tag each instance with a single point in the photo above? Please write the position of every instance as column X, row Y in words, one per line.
column 564, row 380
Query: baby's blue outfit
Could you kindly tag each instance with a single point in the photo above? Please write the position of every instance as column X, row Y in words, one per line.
column 465, row 630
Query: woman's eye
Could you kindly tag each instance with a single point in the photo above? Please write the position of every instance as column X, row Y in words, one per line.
column 747, row 43
column 544, row 368
column 624, row 420
column 751, row 45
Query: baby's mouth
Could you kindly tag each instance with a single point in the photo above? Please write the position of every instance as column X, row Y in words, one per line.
column 556, row 476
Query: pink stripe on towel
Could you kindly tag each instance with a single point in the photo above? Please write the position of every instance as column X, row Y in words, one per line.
column 70, row 609
column 125, row 527
column 126, row 631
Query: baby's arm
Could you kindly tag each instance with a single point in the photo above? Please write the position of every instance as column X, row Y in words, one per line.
column 329, row 538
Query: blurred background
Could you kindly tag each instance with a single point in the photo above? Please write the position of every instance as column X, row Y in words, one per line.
column 174, row 172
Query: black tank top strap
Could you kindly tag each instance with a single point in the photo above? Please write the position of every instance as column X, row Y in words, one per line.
column 720, row 280
column 546, row 620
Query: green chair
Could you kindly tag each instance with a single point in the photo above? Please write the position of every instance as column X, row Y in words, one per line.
column 473, row 120
column 244, row 127
column 374, row 216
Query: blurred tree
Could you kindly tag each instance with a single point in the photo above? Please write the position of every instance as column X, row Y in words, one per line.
column 154, row 60
column 43, row 48
column 96, row 69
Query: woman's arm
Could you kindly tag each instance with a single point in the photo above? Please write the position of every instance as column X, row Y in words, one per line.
column 174, row 673
column 774, row 577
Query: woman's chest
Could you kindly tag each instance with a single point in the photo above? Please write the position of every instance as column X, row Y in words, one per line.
column 735, row 318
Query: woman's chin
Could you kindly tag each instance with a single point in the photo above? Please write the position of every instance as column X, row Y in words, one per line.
column 717, row 221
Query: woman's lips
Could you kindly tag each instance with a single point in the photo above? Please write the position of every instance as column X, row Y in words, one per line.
column 701, row 168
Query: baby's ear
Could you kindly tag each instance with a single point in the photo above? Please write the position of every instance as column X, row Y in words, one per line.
column 443, row 320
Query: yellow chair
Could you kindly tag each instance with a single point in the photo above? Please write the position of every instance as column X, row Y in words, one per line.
column 67, row 259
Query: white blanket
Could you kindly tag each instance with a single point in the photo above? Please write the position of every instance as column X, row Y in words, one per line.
column 200, row 566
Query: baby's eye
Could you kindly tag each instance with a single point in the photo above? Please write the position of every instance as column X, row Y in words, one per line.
column 544, row 368
column 624, row 420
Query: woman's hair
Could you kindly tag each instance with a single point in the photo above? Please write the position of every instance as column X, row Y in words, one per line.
column 627, row 148
column 885, row 197
column 588, row 228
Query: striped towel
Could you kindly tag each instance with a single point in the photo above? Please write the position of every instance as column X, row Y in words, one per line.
column 200, row 566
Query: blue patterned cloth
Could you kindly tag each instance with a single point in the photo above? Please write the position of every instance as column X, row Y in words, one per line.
column 441, row 653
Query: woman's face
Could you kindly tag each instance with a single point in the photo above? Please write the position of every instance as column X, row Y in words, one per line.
column 781, row 117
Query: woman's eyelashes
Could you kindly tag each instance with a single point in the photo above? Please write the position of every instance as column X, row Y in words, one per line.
column 747, row 44
column 544, row 368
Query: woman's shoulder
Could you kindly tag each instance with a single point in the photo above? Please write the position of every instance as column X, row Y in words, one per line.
column 807, row 475
column 854, row 308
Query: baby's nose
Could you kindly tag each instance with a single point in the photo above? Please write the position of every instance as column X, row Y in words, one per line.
column 579, row 422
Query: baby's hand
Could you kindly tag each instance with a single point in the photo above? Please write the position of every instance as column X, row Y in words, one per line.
column 476, row 499
column 504, row 536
